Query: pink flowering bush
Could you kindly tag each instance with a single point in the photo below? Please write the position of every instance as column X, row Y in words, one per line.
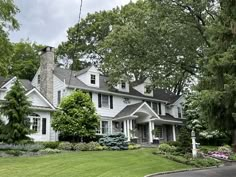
column 217, row 154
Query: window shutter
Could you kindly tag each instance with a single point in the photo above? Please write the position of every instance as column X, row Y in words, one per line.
column 44, row 126
column 160, row 108
column 91, row 95
column 99, row 100
column 111, row 101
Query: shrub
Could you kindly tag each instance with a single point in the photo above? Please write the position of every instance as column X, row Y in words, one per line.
column 14, row 152
column 166, row 148
column 23, row 147
column 49, row 151
column 81, row 147
column 114, row 142
column 51, row 145
column 225, row 149
column 184, row 140
column 232, row 157
column 133, row 146
column 65, row 146
column 173, row 143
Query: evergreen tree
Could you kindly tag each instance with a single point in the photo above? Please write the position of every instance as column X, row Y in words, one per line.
column 16, row 108
column 76, row 116
column 218, row 82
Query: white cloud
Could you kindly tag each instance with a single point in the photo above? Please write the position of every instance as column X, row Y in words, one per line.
column 46, row 21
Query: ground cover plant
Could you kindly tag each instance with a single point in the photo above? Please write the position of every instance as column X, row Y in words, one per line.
column 135, row 163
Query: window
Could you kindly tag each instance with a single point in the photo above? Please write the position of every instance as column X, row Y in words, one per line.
column 123, row 84
column 38, row 79
column 154, row 107
column 104, row 127
column 159, row 131
column 44, row 126
column 105, row 101
column 147, row 89
column 179, row 112
column 58, row 96
column 98, row 131
column 36, row 124
column 93, row 79
column 159, row 105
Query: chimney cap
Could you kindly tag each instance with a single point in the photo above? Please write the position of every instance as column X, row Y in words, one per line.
column 47, row 49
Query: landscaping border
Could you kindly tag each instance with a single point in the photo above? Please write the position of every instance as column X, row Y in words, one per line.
column 184, row 170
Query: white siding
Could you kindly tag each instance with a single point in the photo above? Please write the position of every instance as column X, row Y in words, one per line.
column 174, row 109
column 36, row 100
column 57, row 85
column 35, row 80
column 118, row 105
column 86, row 77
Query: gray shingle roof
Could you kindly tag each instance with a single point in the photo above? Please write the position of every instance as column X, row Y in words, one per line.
column 170, row 117
column 70, row 76
column 27, row 84
column 128, row 110
column 3, row 80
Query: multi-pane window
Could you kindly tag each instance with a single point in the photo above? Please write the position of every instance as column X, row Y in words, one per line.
column 104, row 127
column 93, row 79
column 105, row 101
column 36, row 124
column 148, row 89
column 123, row 84
column 179, row 112
column 159, row 131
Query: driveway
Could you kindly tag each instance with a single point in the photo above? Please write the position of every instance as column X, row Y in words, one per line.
column 227, row 171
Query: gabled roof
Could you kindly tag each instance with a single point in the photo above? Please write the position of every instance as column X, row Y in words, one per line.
column 83, row 70
column 169, row 117
column 128, row 110
column 70, row 76
column 3, row 80
column 26, row 84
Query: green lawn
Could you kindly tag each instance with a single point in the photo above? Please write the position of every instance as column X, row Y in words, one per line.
column 133, row 163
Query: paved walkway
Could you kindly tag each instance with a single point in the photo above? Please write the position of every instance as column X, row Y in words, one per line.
column 227, row 171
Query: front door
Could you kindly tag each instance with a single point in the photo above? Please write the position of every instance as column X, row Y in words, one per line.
column 143, row 133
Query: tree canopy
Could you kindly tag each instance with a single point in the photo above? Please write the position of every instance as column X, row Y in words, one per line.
column 76, row 116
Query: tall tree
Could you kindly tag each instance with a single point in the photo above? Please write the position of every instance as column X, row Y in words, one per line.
column 218, row 81
column 76, row 116
column 25, row 59
column 8, row 10
column 16, row 108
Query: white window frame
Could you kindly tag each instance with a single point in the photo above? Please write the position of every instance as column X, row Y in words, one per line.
column 123, row 84
column 108, row 99
column 146, row 90
column 179, row 112
column 92, row 79
column 37, row 124
column 104, row 128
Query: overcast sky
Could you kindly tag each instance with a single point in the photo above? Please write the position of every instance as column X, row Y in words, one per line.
column 46, row 21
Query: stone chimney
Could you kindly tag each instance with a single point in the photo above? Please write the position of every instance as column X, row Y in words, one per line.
column 46, row 72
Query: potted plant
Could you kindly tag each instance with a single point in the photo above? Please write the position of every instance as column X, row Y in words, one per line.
column 134, row 138
column 155, row 134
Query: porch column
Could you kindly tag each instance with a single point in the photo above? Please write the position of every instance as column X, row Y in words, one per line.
column 111, row 127
column 125, row 131
column 173, row 130
column 150, row 132
column 131, row 127
column 128, row 130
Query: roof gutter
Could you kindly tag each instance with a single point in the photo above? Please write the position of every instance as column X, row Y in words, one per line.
column 118, row 94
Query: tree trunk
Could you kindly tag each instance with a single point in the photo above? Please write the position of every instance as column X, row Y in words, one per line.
column 234, row 140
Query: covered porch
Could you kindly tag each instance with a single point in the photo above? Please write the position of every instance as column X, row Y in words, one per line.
column 139, row 122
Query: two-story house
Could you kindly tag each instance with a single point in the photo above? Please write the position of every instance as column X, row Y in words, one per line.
column 134, row 108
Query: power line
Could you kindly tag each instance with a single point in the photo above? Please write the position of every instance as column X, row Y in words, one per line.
column 75, row 46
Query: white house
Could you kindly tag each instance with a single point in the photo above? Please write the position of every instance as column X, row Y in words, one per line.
column 133, row 108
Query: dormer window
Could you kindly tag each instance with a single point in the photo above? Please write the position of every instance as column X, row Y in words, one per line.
column 93, row 79
column 123, row 85
column 147, row 89
column 179, row 112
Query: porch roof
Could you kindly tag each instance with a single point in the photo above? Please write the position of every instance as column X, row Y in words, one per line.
column 128, row 110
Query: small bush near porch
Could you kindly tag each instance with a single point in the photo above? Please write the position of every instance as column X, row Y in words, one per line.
column 136, row 163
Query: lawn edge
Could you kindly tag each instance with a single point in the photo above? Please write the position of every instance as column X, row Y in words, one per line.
column 178, row 171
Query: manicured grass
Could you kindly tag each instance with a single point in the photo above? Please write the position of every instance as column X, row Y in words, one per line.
column 133, row 163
